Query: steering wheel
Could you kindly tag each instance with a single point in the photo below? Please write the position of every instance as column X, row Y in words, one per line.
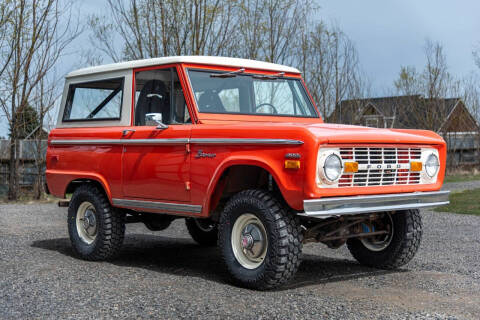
column 266, row 104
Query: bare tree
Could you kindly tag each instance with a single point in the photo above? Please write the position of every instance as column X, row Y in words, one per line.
column 433, row 82
column 150, row 28
column 6, row 51
column 38, row 32
column 251, row 29
column 424, row 93
column 435, row 77
column 434, row 100
column 283, row 19
column 279, row 31
column 256, row 29
column 476, row 55
column 345, row 64
column 331, row 67
column 317, row 66
column 408, row 81
column 271, row 30
column 44, row 98
column 437, row 84
column 470, row 93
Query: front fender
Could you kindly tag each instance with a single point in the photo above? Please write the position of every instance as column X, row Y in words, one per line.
column 290, row 182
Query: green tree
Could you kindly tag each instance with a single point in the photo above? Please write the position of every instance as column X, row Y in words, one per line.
column 27, row 123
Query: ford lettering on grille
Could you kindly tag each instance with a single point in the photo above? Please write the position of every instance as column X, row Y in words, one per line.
column 380, row 166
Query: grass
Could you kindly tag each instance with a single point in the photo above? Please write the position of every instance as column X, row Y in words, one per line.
column 466, row 202
column 462, row 177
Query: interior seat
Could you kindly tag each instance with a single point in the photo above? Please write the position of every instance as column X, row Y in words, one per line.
column 153, row 98
column 209, row 101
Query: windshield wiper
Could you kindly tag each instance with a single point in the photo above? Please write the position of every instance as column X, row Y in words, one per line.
column 230, row 74
column 265, row 77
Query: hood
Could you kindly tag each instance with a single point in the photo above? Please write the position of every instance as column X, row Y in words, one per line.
column 337, row 133
column 322, row 132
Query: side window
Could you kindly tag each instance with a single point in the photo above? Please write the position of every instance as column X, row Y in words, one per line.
column 96, row 100
column 159, row 95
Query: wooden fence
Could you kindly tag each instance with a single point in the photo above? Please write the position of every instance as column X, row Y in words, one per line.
column 28, row 171
column 463, row 150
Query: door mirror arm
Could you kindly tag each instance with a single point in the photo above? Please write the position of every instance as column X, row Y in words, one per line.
column 155, row 119
column 162, row 126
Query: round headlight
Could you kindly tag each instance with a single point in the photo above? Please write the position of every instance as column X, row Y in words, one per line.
column 332, row 167
column 432, row 165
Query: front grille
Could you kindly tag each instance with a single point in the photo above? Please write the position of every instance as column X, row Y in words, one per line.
column 380, row 166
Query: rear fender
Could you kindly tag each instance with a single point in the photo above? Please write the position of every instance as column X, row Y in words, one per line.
column 61, row 180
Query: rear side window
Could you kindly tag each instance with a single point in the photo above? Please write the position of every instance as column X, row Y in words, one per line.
column 96, row 100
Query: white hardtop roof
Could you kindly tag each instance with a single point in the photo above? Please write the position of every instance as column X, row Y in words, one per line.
column 219, row 61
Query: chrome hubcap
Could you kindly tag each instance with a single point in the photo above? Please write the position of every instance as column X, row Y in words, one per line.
column 89, row 221
column 249, row 241
column 86, row 222
column 380, row 242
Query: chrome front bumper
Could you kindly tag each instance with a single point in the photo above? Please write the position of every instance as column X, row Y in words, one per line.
column 339, row 206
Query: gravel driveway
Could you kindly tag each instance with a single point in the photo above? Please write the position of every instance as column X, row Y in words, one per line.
column 166, row 275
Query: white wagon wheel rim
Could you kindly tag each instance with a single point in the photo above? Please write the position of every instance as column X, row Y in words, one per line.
column 379, row 243
column 249, row 241
column 86, row 222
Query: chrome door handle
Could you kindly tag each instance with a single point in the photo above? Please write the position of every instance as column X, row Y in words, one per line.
column 126, row 131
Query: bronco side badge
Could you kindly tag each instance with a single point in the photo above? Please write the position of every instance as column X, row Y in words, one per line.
column 201, row 154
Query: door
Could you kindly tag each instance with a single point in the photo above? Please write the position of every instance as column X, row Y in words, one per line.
column 156, row 164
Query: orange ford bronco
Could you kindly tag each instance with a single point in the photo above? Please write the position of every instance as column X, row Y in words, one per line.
column 237, row 148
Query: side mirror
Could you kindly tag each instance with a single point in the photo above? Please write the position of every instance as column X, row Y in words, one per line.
column 155, row 119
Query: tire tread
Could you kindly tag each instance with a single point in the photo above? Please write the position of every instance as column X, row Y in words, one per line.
column 110, row 238
column 287, row 236
column 400, row 251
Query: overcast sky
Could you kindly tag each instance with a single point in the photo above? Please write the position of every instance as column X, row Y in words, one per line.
column 389, row 34
column 392, row 33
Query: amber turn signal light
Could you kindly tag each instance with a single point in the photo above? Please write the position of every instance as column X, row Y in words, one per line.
column 292, row 164
column 415, row 166
column 350, row 167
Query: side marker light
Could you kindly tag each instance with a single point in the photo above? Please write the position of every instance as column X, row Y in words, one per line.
column 292, row 164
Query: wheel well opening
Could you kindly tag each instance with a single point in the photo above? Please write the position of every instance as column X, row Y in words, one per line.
column 237, row 178
column 73, row 185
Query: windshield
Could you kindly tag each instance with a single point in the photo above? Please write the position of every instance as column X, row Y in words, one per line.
column 237, row 93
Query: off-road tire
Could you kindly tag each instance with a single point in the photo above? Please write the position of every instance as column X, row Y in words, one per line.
column 110, row 225
column 202, row 237
column 284, row 237
column 405, row 243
